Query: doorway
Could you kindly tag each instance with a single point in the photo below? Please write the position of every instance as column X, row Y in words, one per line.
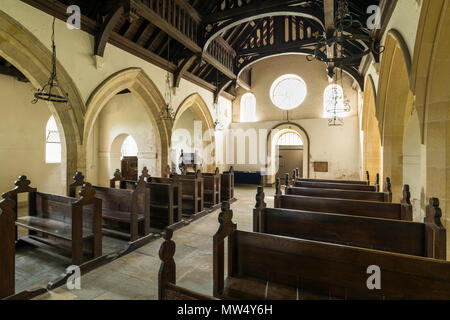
column 289, row 154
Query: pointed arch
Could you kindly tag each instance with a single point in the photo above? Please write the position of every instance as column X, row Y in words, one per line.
column 26, row 52
column 137, row 81
column 393, row 108
column 199, row 108
column 371, row 132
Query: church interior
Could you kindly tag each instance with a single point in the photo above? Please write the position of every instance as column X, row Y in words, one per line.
column 224, row 149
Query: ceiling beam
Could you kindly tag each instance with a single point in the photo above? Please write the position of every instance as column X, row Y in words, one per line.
column 247, row 9
column 103, row 35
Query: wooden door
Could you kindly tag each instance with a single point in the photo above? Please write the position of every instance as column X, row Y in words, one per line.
column 130, row 168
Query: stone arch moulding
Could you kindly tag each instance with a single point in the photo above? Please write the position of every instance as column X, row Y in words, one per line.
column 200, row 109
column 137, row 81
column 393, row 108
column 369, row 126
column 272, row 139
column 23, row 50
column 431, row 21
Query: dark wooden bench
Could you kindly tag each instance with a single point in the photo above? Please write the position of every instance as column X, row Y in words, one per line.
column 167, row 288
column 337, row 193
column 420, row 239
column 7, row 248
column 192, row 193
column 165, row 196
column 397, row 211
column 212, row 188
column 316, row 270
column 68, row 226
column 340, row 186
column 364, row 183
column 227, row 185
column 125, row 213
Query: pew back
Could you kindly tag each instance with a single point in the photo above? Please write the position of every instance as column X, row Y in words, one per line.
column 330, row 270
column 383, row 210
column 7, row 248
column 340, row 186
column 339, row 194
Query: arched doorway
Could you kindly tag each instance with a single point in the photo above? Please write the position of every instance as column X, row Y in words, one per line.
column 289, row 153
column 371, row 133
column 135, row 85
column 195, row 125
column 272, row 149
column 25, row 52
column 394, row 103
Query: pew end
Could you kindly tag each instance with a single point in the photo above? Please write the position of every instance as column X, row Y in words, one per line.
column 167, row 288
column 7, row 248
column 436, row 234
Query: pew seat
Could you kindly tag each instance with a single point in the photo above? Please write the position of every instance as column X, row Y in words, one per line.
column 54, row 228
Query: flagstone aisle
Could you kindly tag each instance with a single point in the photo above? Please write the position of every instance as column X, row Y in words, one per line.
column 135, row 276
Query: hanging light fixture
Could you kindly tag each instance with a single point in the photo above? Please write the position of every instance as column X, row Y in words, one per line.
column 344, row 36
column 52, row 92
column 167, row 113
column 338, row 105
column 217, row 124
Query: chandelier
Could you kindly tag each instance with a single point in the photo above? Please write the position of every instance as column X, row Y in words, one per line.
column 331, row 48
column 337, row 105
column 52, row 92
column 167, row 113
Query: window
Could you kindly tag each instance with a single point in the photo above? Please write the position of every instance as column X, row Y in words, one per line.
column 290, row 139
column 248, row 108
column 52, row 142
column 129, row 147
column 333, row 98
column 288, row 92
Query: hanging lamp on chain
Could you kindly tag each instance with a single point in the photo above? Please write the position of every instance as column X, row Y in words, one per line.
column 52, row 92
column 167, row 113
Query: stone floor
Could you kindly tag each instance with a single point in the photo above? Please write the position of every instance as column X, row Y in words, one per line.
column 135, row 276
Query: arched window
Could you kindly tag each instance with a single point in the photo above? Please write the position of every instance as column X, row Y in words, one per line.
column 288, row 92
column 129, row 147
column 290, row 139
column 248, row 108
column 333, row 98
column 52, row 142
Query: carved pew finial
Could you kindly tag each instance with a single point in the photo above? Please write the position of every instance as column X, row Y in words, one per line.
column 278, row 187
column 226, row 217
column 368, row 177
column 406, row 195
column 87, row 192
column 175, row 177
column 78, row 177
column 145, row 173
column 294, row 175
column 377, row 182
column 231, row 169
column 437, row 248
column 167, row 270
column 388, row 185
column 198, row 174
column 217, row 172
column 286, row 180
column 260, row 196
column 78, row 181
column 118, row 175
column 22, row 185
column 297, row 173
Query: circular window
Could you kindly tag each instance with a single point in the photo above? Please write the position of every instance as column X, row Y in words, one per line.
column 288, row 92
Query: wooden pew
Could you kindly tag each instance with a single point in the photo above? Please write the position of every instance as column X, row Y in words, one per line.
column 316, row 270
column 364, row 183
column 7, row 248
column 165, row 196
column 212, row 188
column 125, row 213
column 420, row 239
column 192, row 194
column 337, row 193
column 340, row 186
column 227, row 185
column 397, row 211
column 69, row 226
column 167, row 288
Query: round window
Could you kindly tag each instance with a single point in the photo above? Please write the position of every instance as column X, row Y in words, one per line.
column 288, row 92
